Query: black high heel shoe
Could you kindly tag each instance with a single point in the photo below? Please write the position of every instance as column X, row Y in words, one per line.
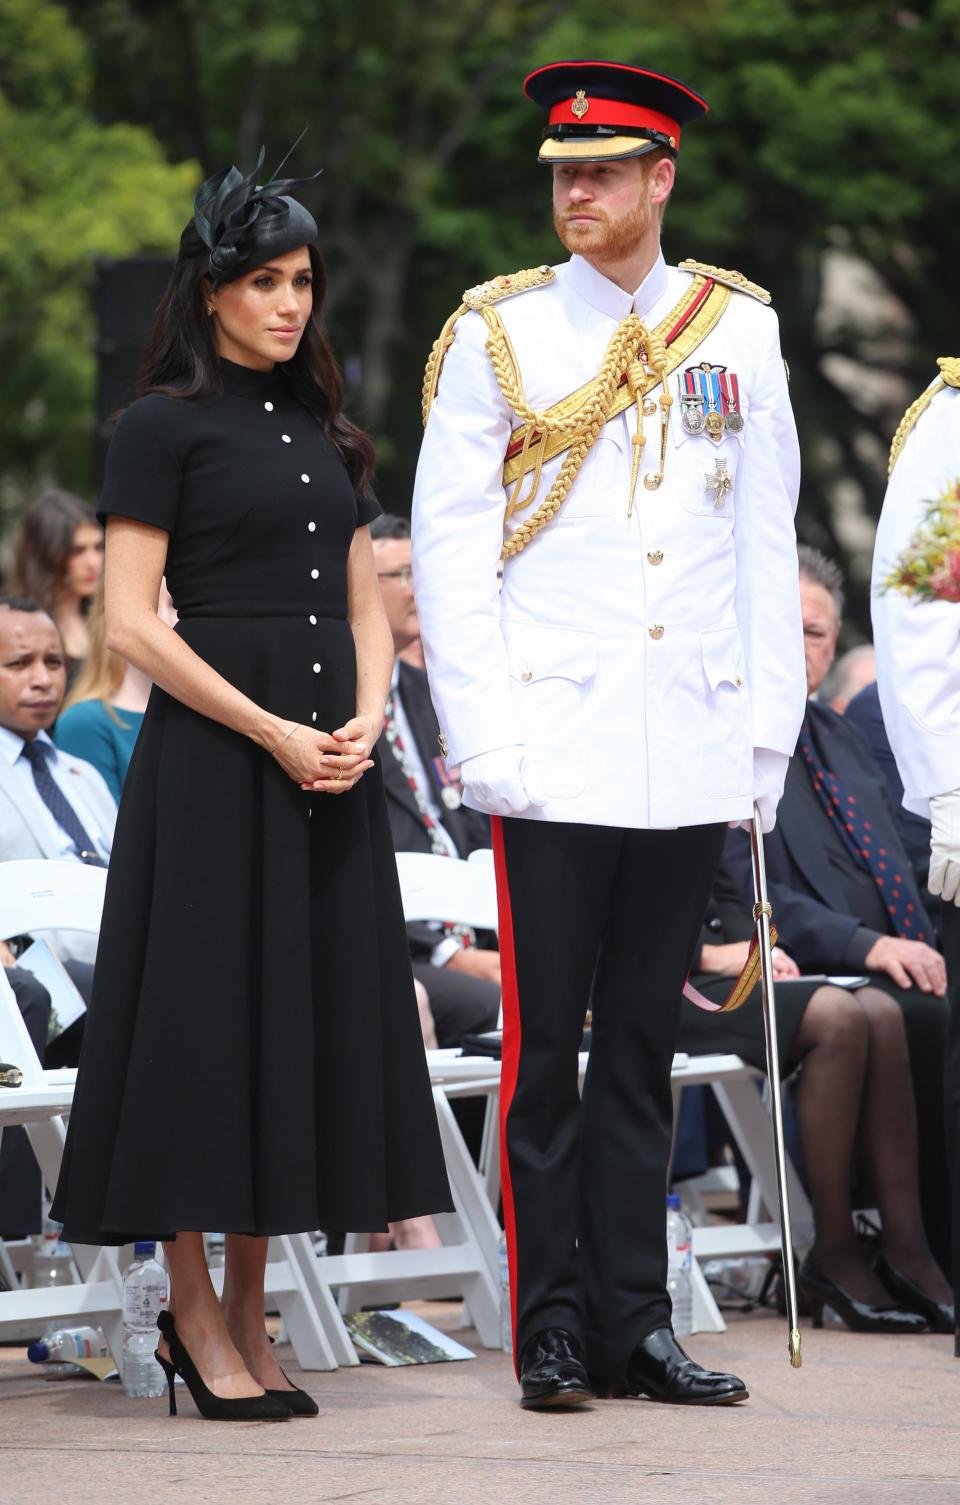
column 859, row 1316
column 264, row 1407
column 297, row 1401
column 941, row 1315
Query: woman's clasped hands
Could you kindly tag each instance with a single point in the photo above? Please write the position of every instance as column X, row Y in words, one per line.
column 327, row 762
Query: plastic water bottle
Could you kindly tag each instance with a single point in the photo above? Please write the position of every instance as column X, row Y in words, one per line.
column 52, row 1258
column 679, row 1266
column 145, row 1293
column 66, row 1344
column 506, row 1314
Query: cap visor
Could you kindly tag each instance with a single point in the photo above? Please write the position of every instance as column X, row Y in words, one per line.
column 601, row 149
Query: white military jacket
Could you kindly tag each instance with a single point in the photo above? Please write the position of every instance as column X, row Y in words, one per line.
column 918, row 642
column 640, row 659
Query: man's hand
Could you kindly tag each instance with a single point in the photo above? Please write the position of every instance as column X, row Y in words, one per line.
column 769, row 772
column 909, row 964
column 476, row 963
column 502, row 781
column 7, row 958
column 944, row 878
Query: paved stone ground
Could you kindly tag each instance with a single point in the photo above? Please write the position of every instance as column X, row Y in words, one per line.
column 867, row 1419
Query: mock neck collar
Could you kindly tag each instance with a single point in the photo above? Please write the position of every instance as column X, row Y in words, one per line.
column 246, row 381
column 608, row 298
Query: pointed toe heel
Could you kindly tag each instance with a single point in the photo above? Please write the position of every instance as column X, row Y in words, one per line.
column 859, row 1316
column 212, row 1407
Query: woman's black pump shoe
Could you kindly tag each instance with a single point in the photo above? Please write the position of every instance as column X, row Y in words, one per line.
column 940, row 1315
column 264, row 1407
column 296, row 1400
column 859, row 1316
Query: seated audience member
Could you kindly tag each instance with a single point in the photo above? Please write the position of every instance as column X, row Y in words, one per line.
column 103, row 713
column 842, row 887
column 21, row 1185
column 51, row 805
column 851, row 672
column 58, row 562
column 462, row 977
column 853, row 1093
column 864, row 712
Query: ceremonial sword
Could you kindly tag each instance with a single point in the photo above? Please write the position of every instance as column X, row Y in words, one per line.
column 761, row 914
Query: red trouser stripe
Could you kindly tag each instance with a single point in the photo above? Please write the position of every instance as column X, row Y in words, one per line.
column 511, row 1056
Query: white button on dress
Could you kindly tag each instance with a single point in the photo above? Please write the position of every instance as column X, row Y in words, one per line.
column 314, row 574
column 269, row 406
column 313, row 621
column 316, row 668
column 305, row 479
column 311, row 527
column 313, row 716
column 286, row 438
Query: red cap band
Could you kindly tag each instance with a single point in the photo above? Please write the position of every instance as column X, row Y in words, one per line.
column 613, row 112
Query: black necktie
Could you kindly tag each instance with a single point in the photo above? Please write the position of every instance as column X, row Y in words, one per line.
column 59, row 806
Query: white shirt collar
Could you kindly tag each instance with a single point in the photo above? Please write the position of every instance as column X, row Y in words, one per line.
column 608, row 298
column 12, row 744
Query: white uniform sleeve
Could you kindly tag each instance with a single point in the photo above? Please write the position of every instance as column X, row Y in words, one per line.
column 768, row 590
column 458, row 509
column 918, row 642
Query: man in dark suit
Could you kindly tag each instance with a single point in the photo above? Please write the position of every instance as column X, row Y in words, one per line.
column 842, row 887
column 459, row 968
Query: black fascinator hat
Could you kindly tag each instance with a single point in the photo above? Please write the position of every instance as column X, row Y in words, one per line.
column 243, row 223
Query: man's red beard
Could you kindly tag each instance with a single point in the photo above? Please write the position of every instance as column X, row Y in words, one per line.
column 605, row 239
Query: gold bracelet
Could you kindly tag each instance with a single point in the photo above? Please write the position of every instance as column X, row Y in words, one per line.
column 294, row 728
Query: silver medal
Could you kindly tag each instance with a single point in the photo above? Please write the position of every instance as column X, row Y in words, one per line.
column 451, row 797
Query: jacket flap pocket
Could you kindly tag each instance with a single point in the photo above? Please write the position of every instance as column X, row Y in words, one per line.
column 722, row 657
column 541, row 652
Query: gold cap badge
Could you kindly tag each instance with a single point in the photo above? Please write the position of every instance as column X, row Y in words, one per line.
column 581, row 104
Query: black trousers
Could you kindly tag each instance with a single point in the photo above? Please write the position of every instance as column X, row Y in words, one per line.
column 592, row 916
column 460, row 1004
column 950, row 930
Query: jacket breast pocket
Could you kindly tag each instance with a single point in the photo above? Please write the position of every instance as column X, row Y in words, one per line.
column 601, row 487
column 552, row 670
column 727, row 735
column 707, row 469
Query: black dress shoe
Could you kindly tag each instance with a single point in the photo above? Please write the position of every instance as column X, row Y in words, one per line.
column 859, row 1316
column 940, row 1315
column 660, row 1369
column 552, row 1371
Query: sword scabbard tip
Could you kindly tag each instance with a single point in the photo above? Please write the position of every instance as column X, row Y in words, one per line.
column 796, row 1358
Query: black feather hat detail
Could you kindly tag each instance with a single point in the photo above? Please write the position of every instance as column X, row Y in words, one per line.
column 244, row 223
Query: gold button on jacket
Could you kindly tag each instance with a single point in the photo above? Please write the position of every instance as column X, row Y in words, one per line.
column 656, row 631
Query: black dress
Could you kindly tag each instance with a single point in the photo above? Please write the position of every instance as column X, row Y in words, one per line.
column 252, row 1059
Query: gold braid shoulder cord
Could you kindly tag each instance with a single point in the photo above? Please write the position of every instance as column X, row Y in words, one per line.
column 631, row 351
column 949, row 377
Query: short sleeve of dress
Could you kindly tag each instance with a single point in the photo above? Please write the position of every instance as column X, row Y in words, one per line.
column 367, row 509
column 143, row 473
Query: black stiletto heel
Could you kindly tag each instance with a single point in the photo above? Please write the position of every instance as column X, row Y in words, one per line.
column 859, row 1316
column 264, row 1407
column 171, row 1375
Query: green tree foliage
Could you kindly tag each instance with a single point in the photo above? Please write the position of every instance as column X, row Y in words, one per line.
column 830, row 143
column 74, row 190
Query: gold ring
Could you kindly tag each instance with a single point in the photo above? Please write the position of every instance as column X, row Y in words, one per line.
column 339, row 774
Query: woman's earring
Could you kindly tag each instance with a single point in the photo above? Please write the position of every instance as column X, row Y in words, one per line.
column 209, row 309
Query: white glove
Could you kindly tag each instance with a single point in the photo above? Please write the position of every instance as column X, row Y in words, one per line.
column 944, row 876
column 769, row 773
column 503, row 781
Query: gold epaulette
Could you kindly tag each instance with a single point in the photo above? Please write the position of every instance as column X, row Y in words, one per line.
column 949, row 377
column 475, row 300
column 736, row 280
column 486, row 293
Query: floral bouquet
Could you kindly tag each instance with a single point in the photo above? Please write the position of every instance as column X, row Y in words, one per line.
column 929, row 567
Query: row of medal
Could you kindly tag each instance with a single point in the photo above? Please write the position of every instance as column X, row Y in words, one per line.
column 710, row 401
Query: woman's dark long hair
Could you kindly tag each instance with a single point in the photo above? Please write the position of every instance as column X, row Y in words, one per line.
column 41, row 553
column 181, row 357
